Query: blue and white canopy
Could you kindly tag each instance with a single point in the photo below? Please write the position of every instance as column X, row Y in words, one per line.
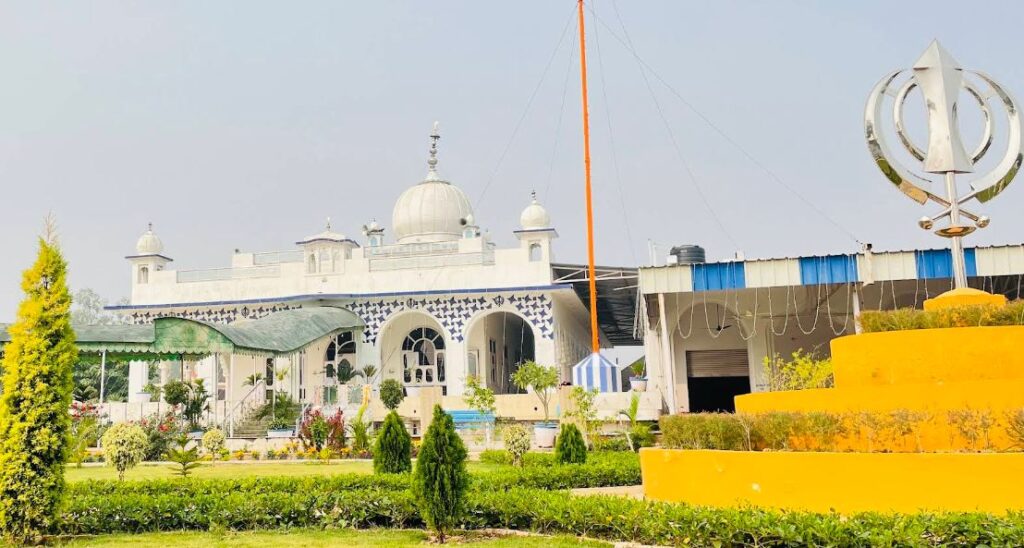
column 595, row 371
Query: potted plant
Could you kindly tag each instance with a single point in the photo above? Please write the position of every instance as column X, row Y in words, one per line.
column 638, row 381
column 281, row 427
column 149, row 393
column 542, row 380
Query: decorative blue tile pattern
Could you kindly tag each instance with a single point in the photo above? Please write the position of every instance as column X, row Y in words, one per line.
column 828, row 269
column 454, row 312
column 718, row 276
column 219, row 315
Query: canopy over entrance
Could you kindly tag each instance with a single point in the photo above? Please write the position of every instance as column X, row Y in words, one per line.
column 280, row 333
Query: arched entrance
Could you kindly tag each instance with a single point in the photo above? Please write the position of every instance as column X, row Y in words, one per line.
column 413, row 348
column 496, row 343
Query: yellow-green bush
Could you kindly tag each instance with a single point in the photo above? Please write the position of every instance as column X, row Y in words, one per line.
column 35, row 425
column 875, row 321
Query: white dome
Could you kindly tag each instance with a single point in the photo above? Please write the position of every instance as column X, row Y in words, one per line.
column 535, row 216
column 432, row 211
column 149, row 243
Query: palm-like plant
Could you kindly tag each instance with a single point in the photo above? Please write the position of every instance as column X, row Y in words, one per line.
column 253, row 380
column 369, row 372
column 345, row 373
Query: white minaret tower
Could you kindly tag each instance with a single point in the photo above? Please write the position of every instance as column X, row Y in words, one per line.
column 147, row 259
column 535, row 232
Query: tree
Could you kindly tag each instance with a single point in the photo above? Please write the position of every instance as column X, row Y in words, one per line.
column 584, row 411
column 34, row 421
column 124, row 446
column 440, row 479
column 517, row 442
column 391, row 394
column 570, row 447
column 481, row 399
column 393, row 451
column 540, row 378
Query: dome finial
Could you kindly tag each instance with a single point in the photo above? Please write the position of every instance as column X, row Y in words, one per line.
column 328, row 223
column 533, row 196
column 435, row 136
column 149, row 226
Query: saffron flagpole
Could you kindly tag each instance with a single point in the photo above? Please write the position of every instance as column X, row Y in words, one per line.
column 595, row 339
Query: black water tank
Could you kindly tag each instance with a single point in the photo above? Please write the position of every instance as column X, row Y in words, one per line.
column 688, row 254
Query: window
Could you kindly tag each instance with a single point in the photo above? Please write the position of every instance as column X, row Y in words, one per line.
column 535, row 252
column 340, row 351
column 311, row 264
column 143, row 274
column 270, row 373
column 429, row 348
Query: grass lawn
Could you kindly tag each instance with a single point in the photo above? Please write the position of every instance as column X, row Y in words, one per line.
column 336, row 537
column 239, row 470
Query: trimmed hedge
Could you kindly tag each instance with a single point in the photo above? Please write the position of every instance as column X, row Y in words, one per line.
column 606, row 517
column 875, row 321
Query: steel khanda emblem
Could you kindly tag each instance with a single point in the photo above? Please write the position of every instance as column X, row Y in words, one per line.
column 941, row 79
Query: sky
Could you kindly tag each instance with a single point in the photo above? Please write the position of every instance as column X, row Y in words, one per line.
column 245, row 124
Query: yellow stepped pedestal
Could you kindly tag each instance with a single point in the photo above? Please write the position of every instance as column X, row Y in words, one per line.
column 843, row 482
column 938, row 375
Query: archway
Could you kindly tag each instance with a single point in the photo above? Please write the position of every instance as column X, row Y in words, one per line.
column 413, row 350
column 496, row 343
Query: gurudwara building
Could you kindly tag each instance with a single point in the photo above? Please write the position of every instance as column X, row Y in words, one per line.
column 429, row 301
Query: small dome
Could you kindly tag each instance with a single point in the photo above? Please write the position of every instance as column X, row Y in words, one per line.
column 149, row 243
column 469, row 220
column 327, row 235
column 534, row 216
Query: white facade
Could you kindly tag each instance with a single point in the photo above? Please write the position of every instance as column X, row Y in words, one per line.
column 441, row 303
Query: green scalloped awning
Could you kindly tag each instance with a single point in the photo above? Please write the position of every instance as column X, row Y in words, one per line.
column 277, row 334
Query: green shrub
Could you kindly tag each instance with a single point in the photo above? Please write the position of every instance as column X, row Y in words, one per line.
column 124, row 446
column 393, row 451
column 440, row 479
column 335, row 502
column 527, row 459
column 391, row 394
column 640, row 436
column 213, row 442
column 802, row 371
column 517, row 442
column 875, row 321
column 176, row 393
column 35, row 425
column 570, row 447
column 703, row 431
column 614, row 443
column 185, row 458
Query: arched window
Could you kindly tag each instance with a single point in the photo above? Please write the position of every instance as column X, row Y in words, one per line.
column 535, row 252
column 143, row 274
column 429, row 348
column 311, row 265
column 338, row 357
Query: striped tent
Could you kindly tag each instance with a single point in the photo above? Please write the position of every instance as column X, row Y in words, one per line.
column 595, row 371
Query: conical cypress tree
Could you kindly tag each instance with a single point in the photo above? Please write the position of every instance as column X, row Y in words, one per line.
column 570, row 447
column 393, row 451
column 440, row 479
column 34, row 420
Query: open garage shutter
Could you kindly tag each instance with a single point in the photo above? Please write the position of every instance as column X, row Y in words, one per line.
column 717, row 363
